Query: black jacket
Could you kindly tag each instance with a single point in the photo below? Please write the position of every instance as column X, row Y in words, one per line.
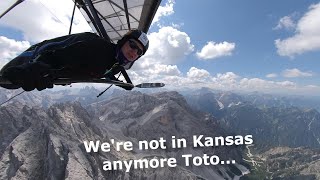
column 83, row 55
column 87, row 56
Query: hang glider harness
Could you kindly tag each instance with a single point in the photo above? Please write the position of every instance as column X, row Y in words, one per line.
column 68, row 81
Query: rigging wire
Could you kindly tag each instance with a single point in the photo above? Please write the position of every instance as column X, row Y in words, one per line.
column 12, row 98
column 11, row 7
column 74, row 8
column 107, row 87
column 56, row 18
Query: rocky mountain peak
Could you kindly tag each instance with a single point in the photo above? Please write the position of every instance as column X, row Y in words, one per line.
column 48, row 143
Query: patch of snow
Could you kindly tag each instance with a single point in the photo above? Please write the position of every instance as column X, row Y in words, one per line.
column 149, row 115
column 233, row 104
column 220, row 104
column 309, row 125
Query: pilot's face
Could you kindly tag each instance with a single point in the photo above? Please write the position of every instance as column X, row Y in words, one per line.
column 132, row 49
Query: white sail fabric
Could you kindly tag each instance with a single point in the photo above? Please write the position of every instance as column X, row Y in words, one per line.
column 119, row 16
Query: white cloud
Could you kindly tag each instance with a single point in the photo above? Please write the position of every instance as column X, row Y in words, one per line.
column 292, row 73
column 171, row 70
column 196, row 78
column 214, row 50
column 168, row 46
column 164, row 11
column 271, row 75
column 161, row 70
column 10, row 48
column 225, row 81
column 287, row 84
column 286, row 22
column 228, row 81
column 200, row 74
column 39, row 20
column 256, row 84
column 307, row 37
column 313, row 86
column 227, row 77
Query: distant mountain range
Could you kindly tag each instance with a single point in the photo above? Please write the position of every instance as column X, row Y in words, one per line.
column 289, row 124
column 272, row 121
column 254, row 98
column 42, row 133
column 47, row 143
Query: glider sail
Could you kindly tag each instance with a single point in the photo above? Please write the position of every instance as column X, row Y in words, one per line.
column 112, row 19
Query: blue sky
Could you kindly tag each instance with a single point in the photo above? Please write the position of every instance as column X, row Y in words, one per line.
column 248, row 24
column 251, row 26
column 269, row 46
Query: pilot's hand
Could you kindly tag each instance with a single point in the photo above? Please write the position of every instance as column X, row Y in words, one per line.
column 41, row 74
column 31, row 75
column 44, row 82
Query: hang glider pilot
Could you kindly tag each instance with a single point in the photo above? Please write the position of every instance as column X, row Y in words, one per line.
column 76, row 56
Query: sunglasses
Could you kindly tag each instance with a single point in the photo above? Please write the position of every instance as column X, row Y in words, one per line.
column 133, row 45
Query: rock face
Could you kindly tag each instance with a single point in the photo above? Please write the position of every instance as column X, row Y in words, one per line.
column 47, row 98
column 285, row 131
column 42, row 134
column 12, row 123
column 274, row 127
column 147, row 117
column 273, row 122
column 39, row 143
column 288, row 163
column 48, row 147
